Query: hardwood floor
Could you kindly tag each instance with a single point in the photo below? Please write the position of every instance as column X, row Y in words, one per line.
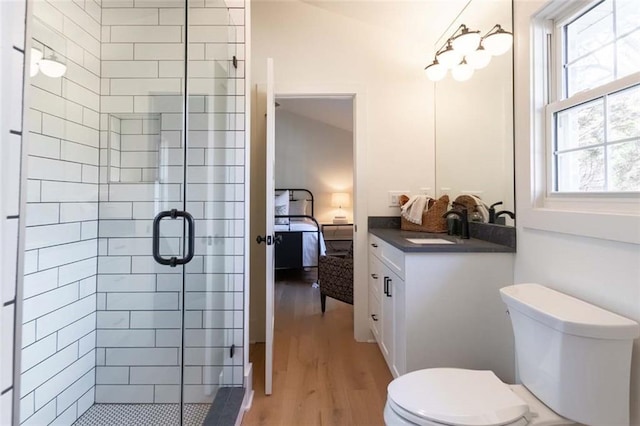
column 322, row 376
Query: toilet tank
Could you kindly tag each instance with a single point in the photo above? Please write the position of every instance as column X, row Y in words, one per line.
column 573, row 356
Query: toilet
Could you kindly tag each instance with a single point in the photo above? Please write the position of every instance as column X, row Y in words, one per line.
column 573, row 359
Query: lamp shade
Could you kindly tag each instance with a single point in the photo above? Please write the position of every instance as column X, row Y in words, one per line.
column 462, row 72
column 52, row 67
column 479, row 58
column 466, row 42
column 436, row 71
column 340, row 199
column 498, row 42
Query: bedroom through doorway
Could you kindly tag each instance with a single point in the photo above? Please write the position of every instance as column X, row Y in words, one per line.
column 314, row 170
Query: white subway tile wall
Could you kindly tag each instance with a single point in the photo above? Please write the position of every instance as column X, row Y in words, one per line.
column 12, row 30
column 59, row 300
column 102, row 320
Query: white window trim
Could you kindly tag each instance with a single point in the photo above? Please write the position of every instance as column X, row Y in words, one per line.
column 608, row 217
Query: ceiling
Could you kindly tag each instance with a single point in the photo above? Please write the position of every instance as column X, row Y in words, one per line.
column 420, row 20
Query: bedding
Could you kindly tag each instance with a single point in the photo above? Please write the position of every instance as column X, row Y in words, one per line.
column 309, row 231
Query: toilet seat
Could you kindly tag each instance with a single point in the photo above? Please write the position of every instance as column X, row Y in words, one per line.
column 455, row 397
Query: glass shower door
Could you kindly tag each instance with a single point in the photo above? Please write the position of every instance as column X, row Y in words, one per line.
column 146, row 234
column 213, row 335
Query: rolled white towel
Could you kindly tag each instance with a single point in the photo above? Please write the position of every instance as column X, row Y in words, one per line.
column 482, row 208
column 413, row 209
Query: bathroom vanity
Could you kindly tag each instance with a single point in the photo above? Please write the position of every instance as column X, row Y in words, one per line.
column 438, row 305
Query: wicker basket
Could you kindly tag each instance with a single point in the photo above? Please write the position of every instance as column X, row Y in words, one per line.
column 468, row 201
column 432, row 220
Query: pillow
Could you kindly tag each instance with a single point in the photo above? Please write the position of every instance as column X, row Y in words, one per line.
column 298, row 207
column 282, row 208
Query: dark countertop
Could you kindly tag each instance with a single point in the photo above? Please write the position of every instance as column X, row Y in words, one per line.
column 396, row 238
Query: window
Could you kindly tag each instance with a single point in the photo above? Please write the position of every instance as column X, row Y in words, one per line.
column 593, row 113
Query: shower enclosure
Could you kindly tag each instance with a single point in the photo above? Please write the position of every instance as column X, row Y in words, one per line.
column 133, row 296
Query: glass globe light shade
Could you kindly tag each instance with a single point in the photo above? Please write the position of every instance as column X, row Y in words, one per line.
column 449, row 58
column 479, row 58
column 52, row 67
column 466, row 42
column 462, row 72
column 499, row 42
column 436, row 71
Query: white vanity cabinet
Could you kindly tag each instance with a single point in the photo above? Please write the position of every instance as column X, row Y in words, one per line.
column 434, row 309
column 387, row 286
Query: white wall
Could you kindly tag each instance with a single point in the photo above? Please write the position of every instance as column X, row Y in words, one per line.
column 314, row 155
column 369, row 46
column 605, row 273
column 330, row 47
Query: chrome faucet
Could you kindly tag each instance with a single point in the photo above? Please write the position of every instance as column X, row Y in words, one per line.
column 464, row 220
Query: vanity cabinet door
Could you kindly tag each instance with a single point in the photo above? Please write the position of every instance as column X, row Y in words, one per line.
column 393, row 321
column 398, row 292
column 375, row 316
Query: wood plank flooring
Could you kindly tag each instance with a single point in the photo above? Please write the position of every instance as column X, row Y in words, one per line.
column 322, row 376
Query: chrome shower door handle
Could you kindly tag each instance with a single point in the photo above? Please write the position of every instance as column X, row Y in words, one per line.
column 173, row 261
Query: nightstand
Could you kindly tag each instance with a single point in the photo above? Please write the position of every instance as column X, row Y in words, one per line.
column 338, row 238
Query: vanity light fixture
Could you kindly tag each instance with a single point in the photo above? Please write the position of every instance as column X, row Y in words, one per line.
column 466, row 51
column 497, row 41
column 436, row 71
column 465, row 42
column 448, row 57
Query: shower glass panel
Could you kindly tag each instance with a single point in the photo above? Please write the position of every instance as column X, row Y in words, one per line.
column 213, row 336
column 133, row 291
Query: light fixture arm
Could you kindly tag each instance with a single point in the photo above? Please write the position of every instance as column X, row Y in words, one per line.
column 447, row 42
column 496, row 29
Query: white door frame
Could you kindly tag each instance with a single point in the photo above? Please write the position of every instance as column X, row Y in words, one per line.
column 361, row 332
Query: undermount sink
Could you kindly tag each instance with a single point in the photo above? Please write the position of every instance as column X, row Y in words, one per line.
column 429, row 241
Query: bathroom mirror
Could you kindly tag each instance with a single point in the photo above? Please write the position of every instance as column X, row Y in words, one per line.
column 474, row 118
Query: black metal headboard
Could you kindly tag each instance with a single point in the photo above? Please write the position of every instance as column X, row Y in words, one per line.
column 292, row 197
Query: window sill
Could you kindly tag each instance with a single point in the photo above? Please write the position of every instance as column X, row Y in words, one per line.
column 618, row 227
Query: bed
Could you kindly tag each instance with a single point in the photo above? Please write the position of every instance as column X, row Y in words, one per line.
column 299, row 240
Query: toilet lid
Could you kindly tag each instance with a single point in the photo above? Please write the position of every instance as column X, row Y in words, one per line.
column 457, row 397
